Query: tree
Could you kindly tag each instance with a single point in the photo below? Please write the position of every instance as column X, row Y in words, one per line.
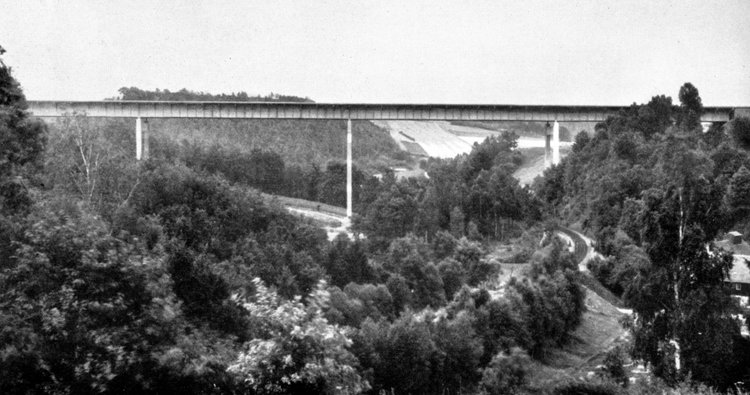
column 332, row 188
column 460, row 350
column 506, row 373
column 90, row 157
column 402, row 356
column 346, row 262
column 684, row 321
column 457, row 222
column 298, row 351
column 22, row 141
column 78, row 313
column 391, row 215
column 654, row 118
column 738, row 193
column 582, row 140
column 630, row 221
column 422, row 277
column 691, row 108
column 739, row 129
column 454, row 276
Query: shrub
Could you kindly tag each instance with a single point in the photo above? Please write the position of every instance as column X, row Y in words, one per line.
column 613, row 366
column 506, row 373
column 401, row 356
column 298, row 350
column 588, row 388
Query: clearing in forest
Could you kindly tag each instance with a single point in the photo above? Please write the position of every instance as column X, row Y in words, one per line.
column 431, row 137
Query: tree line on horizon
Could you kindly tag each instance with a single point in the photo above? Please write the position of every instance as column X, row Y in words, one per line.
column 134, row 93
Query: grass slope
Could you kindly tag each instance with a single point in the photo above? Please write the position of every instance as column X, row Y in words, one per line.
column 599, row 332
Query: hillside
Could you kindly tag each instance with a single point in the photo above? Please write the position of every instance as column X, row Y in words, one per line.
column 299, row 142
column 533, row 164
column 425, row 138
column 599, row 332
column 521, row 128
column 302, row 143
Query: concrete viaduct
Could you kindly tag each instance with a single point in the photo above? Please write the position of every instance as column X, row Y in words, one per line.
column 142, row 110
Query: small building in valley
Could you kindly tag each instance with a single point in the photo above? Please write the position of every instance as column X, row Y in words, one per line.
column 734, row 237
column 739, row 277
column 739, row 287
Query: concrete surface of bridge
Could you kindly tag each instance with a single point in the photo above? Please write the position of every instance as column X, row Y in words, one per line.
column 286, row 110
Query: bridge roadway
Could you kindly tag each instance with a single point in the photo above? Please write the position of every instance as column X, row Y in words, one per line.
column 287, row 110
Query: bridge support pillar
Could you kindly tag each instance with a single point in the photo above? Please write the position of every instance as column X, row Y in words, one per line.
column 547, row 145
column 556, row 144
column 138, row 139
column 141, row 138
column 349, row 188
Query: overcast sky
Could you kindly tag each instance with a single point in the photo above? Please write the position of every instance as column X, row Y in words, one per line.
column 493, row 52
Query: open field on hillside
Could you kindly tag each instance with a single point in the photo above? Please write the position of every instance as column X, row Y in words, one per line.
column 599, row 332
column 431, row 137
column 526, row 129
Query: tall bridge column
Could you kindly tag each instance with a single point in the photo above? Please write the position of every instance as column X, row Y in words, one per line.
column 556, row 144
column 138, row 139
column 141, row 138
column 551, row 144
column 547, row 145
column 349, row 168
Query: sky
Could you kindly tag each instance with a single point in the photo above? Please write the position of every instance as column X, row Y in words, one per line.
column 462, row 51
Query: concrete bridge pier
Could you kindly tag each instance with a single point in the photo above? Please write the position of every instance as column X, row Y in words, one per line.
column 349, row 188
column 547, row 145
column 551, row 144
column 556, row 143
column 141, row 138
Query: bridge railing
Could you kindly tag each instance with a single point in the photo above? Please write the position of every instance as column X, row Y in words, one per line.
column 284, row 110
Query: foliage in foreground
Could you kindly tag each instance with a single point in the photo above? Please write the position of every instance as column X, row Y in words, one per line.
column 297, row 350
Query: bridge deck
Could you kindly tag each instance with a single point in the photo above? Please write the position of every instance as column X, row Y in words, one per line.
column 284, row 110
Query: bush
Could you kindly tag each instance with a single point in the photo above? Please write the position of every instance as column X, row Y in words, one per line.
column 297, row 351
column 454, row 276
column 588, row 388
column 506, row 374
column 401, row 356
column 614, row 366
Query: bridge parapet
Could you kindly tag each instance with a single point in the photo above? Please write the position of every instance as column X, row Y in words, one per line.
column 284, row 110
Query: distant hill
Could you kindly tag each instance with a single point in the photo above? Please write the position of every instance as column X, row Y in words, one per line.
column 299, row 142
column 303, row 143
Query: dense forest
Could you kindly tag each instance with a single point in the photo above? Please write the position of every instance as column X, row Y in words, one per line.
column 175, row 275
column 657, row 191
